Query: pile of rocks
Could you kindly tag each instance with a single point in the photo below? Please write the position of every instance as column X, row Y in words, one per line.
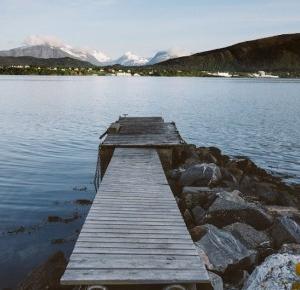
column 243, row 220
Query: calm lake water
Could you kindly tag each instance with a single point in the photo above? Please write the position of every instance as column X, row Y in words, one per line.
column 49, row 128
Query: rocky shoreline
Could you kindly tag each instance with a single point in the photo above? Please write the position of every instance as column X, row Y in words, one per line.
column 244, row 221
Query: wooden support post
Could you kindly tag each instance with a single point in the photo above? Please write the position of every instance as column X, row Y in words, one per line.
column 105, row 156
column 191, row 287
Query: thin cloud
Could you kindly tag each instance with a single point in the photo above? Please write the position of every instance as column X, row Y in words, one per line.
column 45, row 39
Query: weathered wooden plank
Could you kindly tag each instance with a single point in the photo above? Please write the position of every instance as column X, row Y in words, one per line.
column 128, row 257
column 134, row 213
column 132, row 245
column 162, row 251
column 133, row 276
column 133, row 231
column 117, row 226
column 140, row 208
column 135, row 240
column 158, row 262
column 134, row 197
column 133, row 219
column 92, row 219
column 132, row 216
column 138, row 120
column 136, row 202
column 151, row 235
column 144, row 210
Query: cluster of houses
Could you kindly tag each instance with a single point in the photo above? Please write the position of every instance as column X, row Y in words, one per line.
column 259, row 74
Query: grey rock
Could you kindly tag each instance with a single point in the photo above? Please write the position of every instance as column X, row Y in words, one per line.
column 277, row 272
column 203, row 196
column 290, row 248
column 216, row 281
column 249, row 236
column 266, row 192
column 285, row 230
column 204, row 258
column 280, row 211
column 270, row 197
column 230, row 207
column 228, row 177
column 175, row 173
column 201, row 174
column 198, row 214
column 224, row 251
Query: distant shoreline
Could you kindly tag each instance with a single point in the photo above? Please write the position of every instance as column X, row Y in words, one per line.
column 136, row 72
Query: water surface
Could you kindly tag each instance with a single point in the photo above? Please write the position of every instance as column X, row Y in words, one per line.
column 49, row 128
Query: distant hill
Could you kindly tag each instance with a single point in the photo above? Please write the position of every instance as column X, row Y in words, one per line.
column 277, row 53
column 43, row 62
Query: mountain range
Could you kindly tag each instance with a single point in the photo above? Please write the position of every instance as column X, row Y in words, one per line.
column 276, row 53
column 58, row 50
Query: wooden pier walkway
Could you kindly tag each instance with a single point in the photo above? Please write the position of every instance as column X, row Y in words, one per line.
column 134, row 232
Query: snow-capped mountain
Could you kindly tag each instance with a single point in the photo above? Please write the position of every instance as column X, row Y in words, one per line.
column 165, row 55
column 49, row 47
column 38, row 51
column 49, row 51
column 130, row 59
column 93, row 56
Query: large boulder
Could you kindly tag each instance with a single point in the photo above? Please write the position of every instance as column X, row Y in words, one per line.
column 224, row 251
column 201, row 175
column 230, row 207
column 281, row 211
column 252, row 239
column 195, row 195
column 267, row 192
column 276, row 273
column 249, row 236
column 285, row 230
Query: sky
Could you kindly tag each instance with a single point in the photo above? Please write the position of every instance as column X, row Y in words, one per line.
column 146, row 26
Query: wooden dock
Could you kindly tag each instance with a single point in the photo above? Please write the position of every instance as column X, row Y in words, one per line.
column 134, row 232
